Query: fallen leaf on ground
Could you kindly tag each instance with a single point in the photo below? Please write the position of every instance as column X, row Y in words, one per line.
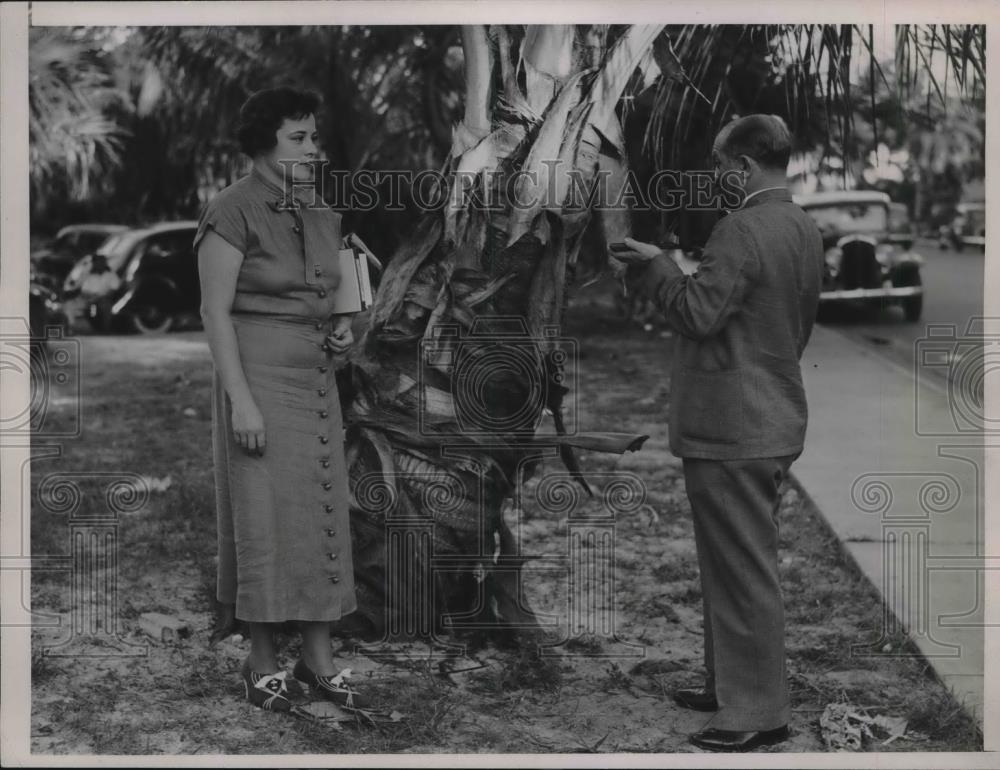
column 841, row 730
column 845, row 727
column 894, row 726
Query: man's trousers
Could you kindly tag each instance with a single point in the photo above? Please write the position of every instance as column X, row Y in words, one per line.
column 735, row 506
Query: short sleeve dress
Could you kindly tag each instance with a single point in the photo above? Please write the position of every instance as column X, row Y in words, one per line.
column 283, row 519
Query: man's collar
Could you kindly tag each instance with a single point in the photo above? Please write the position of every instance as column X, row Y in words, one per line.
column 767, row 194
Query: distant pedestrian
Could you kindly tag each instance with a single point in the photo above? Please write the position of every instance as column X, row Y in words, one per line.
column 738, row 420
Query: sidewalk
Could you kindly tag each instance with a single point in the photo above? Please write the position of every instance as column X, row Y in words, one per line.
column 907, row 507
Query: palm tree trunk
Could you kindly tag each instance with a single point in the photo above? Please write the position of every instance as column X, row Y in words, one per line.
column 460, row 361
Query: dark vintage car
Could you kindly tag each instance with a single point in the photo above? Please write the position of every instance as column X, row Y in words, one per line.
column 967, row 228
column 158, row 286
column 53, row 262
column 865, row 261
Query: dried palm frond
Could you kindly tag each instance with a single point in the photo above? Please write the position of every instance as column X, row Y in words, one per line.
column 483, row 273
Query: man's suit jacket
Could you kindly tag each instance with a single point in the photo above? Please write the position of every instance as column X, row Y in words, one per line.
column 743, row 320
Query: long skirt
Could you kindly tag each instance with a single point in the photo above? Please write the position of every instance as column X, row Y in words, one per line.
column 283, row 520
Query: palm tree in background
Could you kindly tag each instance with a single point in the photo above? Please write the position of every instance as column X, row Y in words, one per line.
column 75, row 142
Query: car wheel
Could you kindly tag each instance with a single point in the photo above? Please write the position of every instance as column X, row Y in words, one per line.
column 97, row 317
column 912, row 306
column 151, row 320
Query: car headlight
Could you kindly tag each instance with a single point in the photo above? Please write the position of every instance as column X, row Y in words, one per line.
column 886, row 254
column 893, row 256
column 833, row 258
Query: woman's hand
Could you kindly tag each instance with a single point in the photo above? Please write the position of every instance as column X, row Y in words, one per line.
column 340, row 340
column 248, row 427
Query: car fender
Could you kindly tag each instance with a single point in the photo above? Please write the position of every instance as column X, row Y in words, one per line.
column 905, row 273
column 909, row 258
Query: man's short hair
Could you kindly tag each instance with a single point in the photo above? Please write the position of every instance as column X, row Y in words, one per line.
column 765, row 138
column 263, row 113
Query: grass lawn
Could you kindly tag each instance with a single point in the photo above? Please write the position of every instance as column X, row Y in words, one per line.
column 146, row 410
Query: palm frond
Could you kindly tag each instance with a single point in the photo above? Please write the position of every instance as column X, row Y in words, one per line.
column 71, row 90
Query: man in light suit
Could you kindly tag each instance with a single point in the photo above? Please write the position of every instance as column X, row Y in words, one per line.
column 738, row 420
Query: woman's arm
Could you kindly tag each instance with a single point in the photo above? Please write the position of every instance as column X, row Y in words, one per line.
column 218, row 268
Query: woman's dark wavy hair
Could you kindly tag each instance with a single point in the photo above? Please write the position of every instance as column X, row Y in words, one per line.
column 263, row 113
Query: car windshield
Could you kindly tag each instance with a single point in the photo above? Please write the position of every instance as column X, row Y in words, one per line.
column 118, row 247
column 844, row 218
column 975, row 216
column 63, row 242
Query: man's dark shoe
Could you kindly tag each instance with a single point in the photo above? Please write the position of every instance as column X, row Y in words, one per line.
column 737, row 740
column 697, row 698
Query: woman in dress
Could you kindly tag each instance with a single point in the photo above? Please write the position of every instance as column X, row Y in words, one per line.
column 267, row 256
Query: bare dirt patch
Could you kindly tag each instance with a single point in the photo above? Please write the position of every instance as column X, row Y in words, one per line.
column 601, row 688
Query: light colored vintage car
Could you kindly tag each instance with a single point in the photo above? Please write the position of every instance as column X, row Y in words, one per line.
column 864, row 260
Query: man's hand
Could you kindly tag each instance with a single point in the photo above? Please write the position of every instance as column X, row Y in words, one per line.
column 640, row 253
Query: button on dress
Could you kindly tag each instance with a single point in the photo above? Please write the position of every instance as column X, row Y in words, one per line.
column 283, row 520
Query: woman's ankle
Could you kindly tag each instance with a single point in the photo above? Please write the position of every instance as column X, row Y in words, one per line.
column 319, row 666
column 263, row 664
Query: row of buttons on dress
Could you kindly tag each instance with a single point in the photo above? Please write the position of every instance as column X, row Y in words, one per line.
column 324, row 460
column 321, row 392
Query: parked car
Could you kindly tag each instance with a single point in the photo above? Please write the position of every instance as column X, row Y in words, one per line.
column 864, row 260
column 72, row 243
column 967, row 227
column 157, row 284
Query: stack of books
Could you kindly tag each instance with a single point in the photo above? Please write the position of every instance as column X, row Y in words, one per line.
column 355, row 291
